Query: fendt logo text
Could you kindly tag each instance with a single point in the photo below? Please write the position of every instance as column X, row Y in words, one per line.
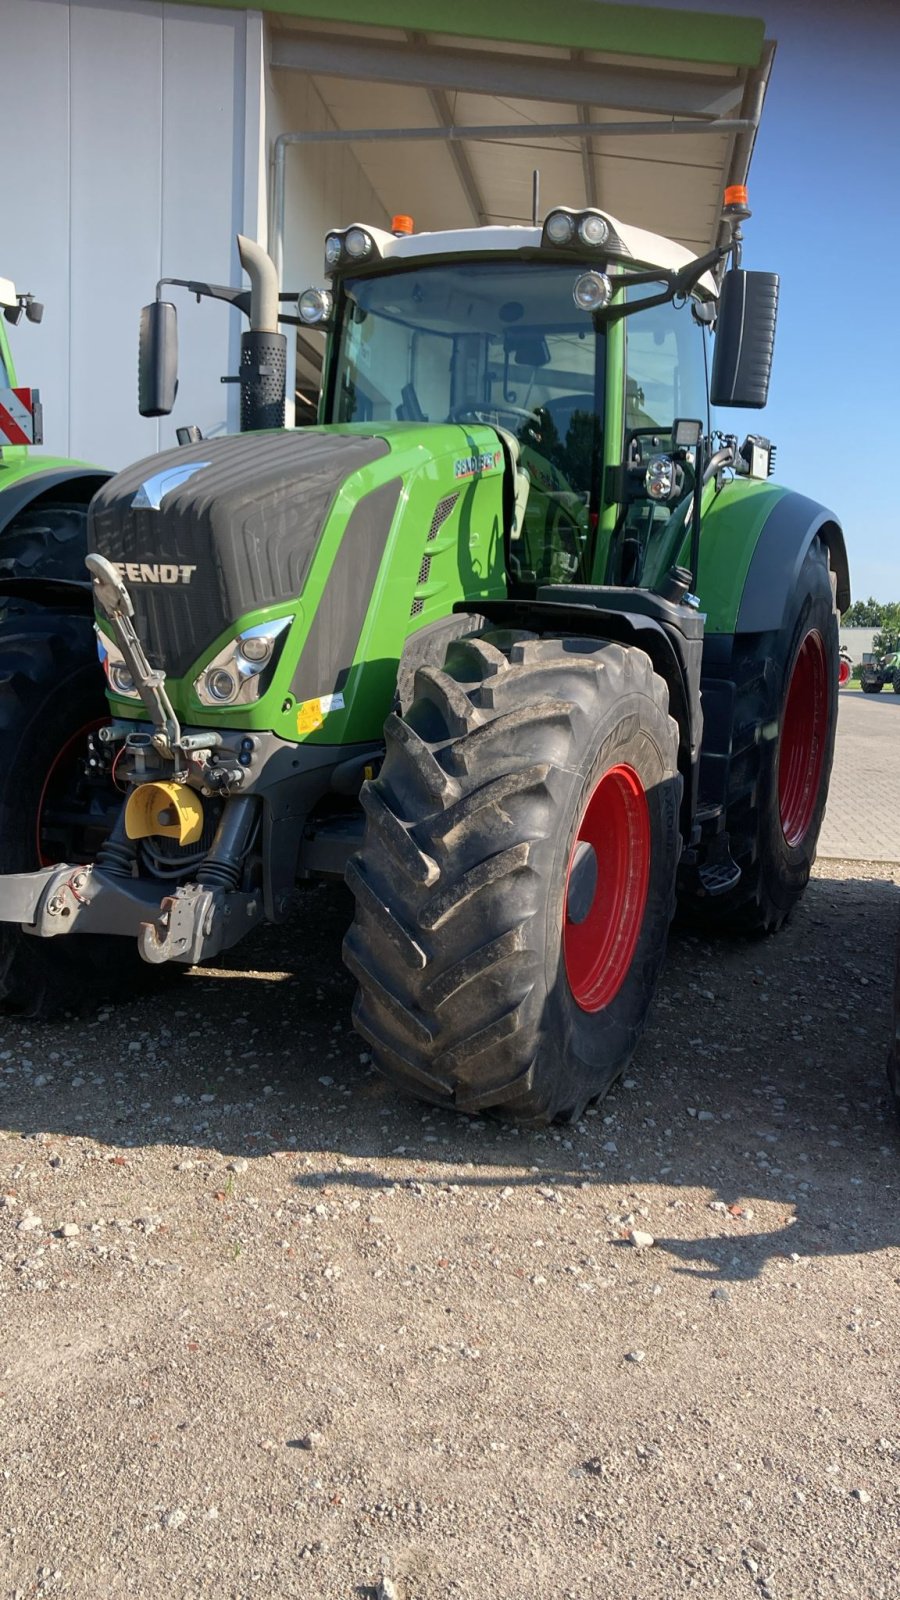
column 154, row 572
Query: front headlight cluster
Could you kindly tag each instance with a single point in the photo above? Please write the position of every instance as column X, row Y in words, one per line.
column 348, row 247
column 118, row 675
column 581, row 230
column 242, row 671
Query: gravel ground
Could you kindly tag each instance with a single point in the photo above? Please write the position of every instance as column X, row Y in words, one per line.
column 269, row 1330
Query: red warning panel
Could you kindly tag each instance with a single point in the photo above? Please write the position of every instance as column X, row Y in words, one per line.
column 21, row 417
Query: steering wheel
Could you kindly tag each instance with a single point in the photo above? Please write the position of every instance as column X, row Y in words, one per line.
column 486, row 413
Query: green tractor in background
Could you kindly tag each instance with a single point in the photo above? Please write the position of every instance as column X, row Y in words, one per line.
column 43, row 499
column 879, row 670
column 512, row 638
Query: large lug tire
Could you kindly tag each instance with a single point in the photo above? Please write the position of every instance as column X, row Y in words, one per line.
column 895, row 683
column 517, row 876
column 872, row 688
column 782, row 748
column 45, row 541
column 51, row 697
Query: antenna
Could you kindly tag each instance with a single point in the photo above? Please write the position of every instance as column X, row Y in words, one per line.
column 535, row 196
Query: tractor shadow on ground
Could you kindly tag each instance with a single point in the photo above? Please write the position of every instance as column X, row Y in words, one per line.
column 759, row 1081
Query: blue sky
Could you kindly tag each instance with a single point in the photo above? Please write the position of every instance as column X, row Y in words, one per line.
column 825, row 193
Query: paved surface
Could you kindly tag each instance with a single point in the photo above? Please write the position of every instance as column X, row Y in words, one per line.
column 862, row 822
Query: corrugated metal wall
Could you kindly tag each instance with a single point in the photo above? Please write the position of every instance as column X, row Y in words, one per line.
column 133, row 140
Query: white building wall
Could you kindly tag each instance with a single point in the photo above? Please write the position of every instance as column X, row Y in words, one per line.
column 137, row 156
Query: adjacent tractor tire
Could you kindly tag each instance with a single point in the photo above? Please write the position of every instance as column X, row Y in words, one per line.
column 895, row 683
column 45, row 541
column 517, row 875
column 51, row 699
column 872, row 688
column 782, row 748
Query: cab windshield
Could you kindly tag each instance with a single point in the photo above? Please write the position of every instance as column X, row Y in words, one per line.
column 500, row 342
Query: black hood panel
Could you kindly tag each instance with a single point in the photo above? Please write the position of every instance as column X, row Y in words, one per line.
column 204, row 547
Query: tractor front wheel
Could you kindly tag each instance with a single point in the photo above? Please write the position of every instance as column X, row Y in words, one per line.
column 517, row 876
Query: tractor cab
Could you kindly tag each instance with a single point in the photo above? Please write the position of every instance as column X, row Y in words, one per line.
column 582, row 343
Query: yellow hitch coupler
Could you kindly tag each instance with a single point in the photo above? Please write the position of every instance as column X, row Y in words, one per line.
column 164, row 808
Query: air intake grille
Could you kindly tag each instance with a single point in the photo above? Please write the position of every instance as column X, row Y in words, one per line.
column 441, row 512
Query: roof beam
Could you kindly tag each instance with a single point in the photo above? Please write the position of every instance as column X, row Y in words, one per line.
column 426, row 66
column 440, row 105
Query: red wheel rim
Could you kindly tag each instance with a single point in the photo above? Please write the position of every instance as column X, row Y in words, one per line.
column 844, row 671
column 803, row 733
column 606, row 888
column 62, row 756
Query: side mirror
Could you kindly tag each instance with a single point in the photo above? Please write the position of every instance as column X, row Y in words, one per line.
column 745, row 339
column 158, row 359
column 34, row 310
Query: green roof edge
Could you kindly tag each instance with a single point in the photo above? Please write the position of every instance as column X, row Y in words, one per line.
column 631, row 30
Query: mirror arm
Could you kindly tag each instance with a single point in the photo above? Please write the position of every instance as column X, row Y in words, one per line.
column 677, row 283
column 210, row 291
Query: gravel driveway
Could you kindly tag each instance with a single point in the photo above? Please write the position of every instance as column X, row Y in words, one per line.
column 270, row 1331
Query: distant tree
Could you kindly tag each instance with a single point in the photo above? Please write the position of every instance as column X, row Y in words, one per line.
column 864, row 614
column 886, row 641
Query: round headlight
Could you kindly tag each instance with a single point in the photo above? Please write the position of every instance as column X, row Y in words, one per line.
column 333, row 248
column 221, row 685
column 314, row 305
column 256, row 648
column 120, row 678
column 658, row 478
column 560, row 227
column 592, row 290
column 358, row 243
column 593, row 230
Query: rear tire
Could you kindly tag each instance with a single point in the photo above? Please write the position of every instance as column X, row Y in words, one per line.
column 45, row 541
column 895, row 683
column 51, row 694
column 784, row 725
column 517, row 876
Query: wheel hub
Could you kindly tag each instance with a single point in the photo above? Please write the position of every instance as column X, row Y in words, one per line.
column 804, row 731
column 606, row 888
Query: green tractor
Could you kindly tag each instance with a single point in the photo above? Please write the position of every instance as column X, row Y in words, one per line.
column 511, row 639
column 43, row 499
column 878, row 671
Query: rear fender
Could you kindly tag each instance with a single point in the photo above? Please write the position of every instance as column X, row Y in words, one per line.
column 789, row 530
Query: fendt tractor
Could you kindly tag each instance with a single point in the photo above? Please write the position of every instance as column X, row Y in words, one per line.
column 512, row 639
column 879, row 670
column 43, row 499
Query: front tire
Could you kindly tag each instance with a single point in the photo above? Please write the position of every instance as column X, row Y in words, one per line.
column 517, row 876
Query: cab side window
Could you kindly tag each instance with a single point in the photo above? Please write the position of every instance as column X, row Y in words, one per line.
column 665, row 368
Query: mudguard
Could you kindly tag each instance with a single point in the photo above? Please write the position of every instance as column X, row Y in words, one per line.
column 780, row 551
column 68, row 484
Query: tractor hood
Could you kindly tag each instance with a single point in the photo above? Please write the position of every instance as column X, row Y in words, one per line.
column 357, row 536
column 206, row 533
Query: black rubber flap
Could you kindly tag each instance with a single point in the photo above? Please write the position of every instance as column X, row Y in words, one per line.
column 210, row 531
